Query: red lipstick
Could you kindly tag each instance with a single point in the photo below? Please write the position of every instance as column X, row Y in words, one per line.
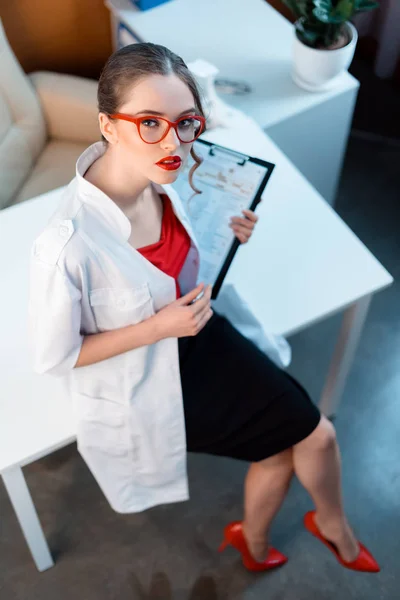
column 170, row 163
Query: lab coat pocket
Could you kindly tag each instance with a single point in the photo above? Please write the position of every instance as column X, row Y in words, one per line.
column 119, row 307
column 115, row 441
column 103, row 431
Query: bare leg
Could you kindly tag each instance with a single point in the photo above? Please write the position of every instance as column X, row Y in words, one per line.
column 266, row 485
column 317, row 465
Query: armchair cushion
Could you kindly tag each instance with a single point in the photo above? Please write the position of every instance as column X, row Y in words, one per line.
column 22, row 126
column 69, row 105
column 46, row 121
column 54, row 168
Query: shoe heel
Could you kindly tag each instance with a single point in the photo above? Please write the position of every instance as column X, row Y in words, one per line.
column 223, row 546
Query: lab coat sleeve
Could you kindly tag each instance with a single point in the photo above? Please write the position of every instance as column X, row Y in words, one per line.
column 54, row 319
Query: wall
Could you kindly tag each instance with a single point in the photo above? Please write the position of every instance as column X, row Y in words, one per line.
column 67, row 36
column 50, row 34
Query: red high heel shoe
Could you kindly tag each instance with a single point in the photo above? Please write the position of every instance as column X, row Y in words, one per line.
column 233, row 535
column 364, row 561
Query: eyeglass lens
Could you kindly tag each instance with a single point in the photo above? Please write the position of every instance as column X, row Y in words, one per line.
column 152, row 130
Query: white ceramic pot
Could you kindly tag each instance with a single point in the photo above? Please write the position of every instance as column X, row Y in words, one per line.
column 318, row 70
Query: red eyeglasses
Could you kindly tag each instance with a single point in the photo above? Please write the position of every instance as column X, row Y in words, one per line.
column 152, row 129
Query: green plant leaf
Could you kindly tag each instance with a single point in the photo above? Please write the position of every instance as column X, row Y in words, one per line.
column 308, row 38
column 329, row 11
column 320, row 22
column 345, row 9
column 301, row 8
column 327, row 17
column 293, row 5
column 324, row 4
column 313, row 33
column 364, row 5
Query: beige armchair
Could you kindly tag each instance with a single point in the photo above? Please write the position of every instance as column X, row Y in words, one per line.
column 46, row 121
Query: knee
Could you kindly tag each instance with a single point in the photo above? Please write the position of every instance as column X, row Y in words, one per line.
column 323, row 437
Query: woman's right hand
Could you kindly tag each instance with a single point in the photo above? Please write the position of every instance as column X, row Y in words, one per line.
column 180, row 318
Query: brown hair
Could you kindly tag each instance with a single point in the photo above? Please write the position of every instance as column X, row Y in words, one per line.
column 131, row 63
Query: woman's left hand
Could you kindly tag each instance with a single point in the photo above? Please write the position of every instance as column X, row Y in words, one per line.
column 243, row 227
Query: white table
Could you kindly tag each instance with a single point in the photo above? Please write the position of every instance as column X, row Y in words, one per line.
column 35, row 413
column 313, row 266
column 248, row 40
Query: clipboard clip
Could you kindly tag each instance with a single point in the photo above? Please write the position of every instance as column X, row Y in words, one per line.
column 237, row 157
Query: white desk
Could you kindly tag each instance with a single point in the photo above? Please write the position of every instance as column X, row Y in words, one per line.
column 248, row 40
column 35, row 414
column 314, row 266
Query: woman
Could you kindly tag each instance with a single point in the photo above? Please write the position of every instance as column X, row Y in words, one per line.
column 115, row 304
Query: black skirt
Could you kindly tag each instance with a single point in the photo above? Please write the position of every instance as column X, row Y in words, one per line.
column 237, row 402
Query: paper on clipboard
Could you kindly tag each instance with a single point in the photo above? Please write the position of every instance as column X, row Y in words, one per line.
column 229, row 182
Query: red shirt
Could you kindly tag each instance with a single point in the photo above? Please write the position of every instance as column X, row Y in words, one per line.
column 170, row 252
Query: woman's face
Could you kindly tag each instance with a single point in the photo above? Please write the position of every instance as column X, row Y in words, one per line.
column 163, row 95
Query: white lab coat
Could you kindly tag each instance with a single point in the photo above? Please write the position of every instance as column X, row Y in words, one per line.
column 87, row 278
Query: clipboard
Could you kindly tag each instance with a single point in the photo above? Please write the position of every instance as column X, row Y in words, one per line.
column 229, row 181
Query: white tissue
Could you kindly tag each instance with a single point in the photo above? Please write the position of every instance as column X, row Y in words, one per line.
column 218, row 113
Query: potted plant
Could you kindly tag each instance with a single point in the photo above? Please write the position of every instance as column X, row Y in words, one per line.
column 325, row 40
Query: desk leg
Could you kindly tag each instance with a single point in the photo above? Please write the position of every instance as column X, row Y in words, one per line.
column 342, row 359
column 21, row 500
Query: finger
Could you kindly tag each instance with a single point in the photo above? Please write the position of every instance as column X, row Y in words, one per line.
column 204, row 319
column 250, row 215
column 242, row 222
column 204, row 301
column 243, row 239
column 200, row 315
column 187, row 298
column 201, row 305
column 242, row 230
